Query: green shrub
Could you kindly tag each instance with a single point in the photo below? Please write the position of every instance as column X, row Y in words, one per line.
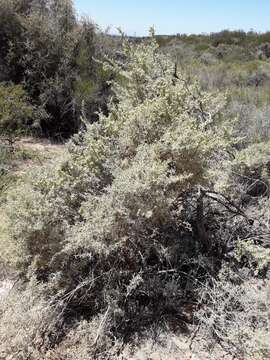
column 202, row 47
column 17, row 115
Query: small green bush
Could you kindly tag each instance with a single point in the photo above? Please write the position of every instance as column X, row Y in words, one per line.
column 17, row 114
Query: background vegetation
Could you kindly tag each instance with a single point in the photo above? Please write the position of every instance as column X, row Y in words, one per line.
column 50, row 53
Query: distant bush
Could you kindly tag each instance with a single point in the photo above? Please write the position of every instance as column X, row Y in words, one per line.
column 253, row 125
column 202, row 47
column 17, row 114
column 264, row 51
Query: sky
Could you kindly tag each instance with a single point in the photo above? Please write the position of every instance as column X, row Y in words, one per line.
column 135, row 17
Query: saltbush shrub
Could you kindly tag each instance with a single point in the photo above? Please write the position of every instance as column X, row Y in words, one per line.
column 110, row 216
column 124, row 229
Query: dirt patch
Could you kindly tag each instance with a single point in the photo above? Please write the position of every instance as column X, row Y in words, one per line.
column 40, row 145
column 35, row 152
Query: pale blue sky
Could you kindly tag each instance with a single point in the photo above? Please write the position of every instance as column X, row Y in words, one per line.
column 173, row 16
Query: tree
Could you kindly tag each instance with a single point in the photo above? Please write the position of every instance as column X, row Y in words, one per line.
column 41, row 47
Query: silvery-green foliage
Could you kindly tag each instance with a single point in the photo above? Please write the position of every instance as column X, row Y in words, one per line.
column 112, row 210
column 158, row 141
column 109, row 227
